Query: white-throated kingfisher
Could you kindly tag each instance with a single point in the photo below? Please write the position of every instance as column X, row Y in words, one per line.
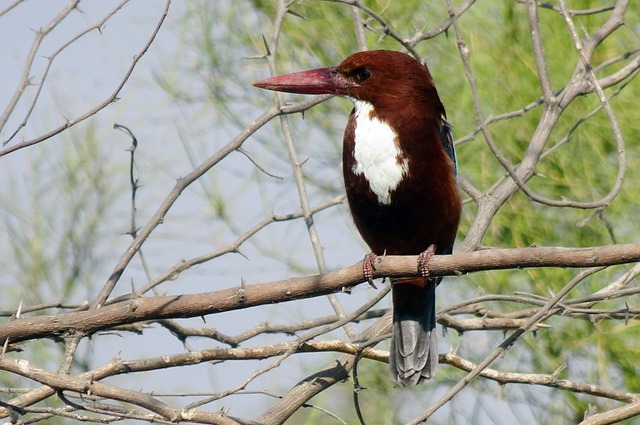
column 399, row 168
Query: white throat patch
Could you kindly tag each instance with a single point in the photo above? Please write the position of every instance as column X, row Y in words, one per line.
column 376, row 153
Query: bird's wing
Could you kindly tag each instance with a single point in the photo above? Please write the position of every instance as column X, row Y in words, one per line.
column 444, row 129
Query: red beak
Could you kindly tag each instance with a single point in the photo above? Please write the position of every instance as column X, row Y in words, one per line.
column 315, row 81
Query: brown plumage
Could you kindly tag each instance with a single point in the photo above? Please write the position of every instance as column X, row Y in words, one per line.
column 400, row 177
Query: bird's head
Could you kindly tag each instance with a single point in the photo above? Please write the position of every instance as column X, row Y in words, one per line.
column 380, row 77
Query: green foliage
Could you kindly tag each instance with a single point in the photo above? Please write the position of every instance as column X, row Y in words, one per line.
column 52, row 218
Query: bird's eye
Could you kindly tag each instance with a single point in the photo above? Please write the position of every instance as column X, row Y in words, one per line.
column 362, row 74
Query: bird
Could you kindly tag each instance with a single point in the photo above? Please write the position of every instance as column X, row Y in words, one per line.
column 400, row 175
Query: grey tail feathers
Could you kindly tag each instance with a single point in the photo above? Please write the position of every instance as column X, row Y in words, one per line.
column 413, row 357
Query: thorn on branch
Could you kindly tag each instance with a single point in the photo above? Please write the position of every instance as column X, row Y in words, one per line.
column 240, row 294
column 266, row 46
column 297, row 15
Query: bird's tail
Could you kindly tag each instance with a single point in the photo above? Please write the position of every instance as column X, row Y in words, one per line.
column 413, row 356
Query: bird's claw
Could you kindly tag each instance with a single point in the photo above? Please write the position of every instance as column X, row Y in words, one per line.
column 423, row 260
column 368, row 268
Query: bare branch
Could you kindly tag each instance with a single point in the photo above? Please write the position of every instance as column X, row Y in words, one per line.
column 538, row 52
column 112, row 98
column 11, row 6
column 552, row 380
column 35, row 46
column 83, row 386
column 614, row 415
column 194, row 305
column 50, row 60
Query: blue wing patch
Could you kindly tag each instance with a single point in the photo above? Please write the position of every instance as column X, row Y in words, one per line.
column 444, row 128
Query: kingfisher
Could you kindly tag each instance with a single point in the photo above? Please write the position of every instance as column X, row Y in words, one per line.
column 399, row 167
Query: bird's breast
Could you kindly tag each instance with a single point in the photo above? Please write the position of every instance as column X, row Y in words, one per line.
column 377, row 154
column 403, row 197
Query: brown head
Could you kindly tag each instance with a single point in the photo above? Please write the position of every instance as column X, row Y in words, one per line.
column 384, row 78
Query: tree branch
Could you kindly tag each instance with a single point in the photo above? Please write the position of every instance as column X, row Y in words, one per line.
column 195, row 305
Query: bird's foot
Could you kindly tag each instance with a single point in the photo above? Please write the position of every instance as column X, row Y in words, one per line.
column 368, row 268
column 423, row 260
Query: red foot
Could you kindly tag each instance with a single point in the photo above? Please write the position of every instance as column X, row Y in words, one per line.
column 368, row 268
column 423, row 260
